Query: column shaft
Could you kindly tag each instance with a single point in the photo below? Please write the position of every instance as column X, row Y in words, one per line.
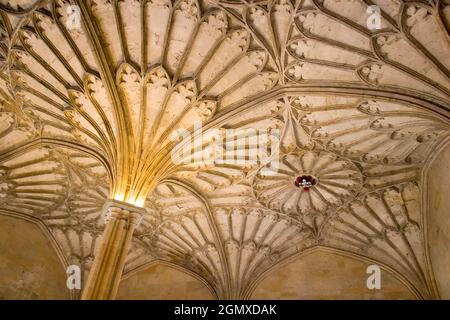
column 106, row 272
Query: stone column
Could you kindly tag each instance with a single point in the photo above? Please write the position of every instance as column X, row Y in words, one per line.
column 104, row 278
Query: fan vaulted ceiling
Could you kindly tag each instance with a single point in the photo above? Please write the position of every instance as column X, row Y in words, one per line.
column 88, row 113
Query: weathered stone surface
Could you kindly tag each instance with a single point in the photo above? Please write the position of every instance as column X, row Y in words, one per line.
column 29, row 266
column 438, row 220
column 325, row 275
column 159, row 281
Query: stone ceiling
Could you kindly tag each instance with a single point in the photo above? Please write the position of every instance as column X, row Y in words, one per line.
column 88, row 112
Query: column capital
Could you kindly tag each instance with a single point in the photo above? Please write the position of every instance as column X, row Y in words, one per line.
column 116, row 209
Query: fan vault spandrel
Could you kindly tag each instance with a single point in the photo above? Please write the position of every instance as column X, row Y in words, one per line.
column 227, row 245
column 88, row 112
column 365, row 198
